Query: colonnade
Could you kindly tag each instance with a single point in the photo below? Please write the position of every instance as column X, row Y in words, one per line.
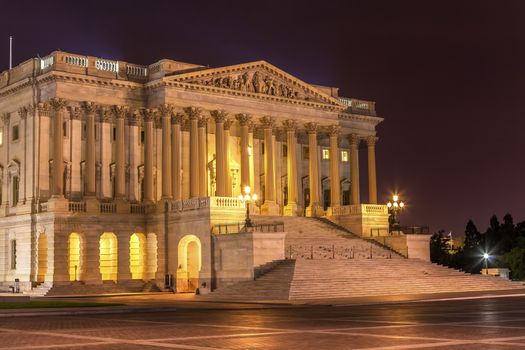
column 171, row 123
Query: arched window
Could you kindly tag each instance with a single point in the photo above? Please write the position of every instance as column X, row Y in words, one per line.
column 13, row 178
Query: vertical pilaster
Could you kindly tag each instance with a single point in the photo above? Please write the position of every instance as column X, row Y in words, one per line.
column 149, row 116
column 90, row 170
column 354, row 168
column 120, row 165
column 372, row 180
column 194, row 114
column 220, row 156
column 43, row 191
column 203, row 157
column 176, row 139
column 335, row 195
column 166, row 112
column 313, row 168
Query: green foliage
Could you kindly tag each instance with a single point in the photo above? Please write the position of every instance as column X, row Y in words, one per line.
column 505, row 242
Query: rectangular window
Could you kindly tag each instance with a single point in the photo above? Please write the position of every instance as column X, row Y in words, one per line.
column 114, row 134
column 84, row 131
column 64, row 129
column 344, row 156
column 16, row 132
column 262, row 148
column 306, row 152
column 285, row 150
column 13, row 254
column 142, row 137
column 16, row 187
column 326, row 153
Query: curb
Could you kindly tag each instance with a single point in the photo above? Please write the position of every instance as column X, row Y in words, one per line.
column 79, row 311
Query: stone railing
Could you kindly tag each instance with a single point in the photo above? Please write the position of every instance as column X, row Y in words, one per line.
column 47, row 62
column 76, row 207
column 189, row 204
column 355, row 209
column 107, row 65
column 356, row 106
column 137, row 209
column 227, row 202
column 240, row 227
column 139, row 71
column 75, row 60
column 43, row 207
column 108, row 208
column 359, row 250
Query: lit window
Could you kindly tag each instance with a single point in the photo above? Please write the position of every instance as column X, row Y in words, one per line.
column 344, row 156
column 16, row 132
column 326, row 153
column 1, row 136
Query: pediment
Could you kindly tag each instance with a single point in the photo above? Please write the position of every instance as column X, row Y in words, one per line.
column 259, row 78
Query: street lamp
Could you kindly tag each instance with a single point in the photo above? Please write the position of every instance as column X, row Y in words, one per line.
column 394, row 207
column 247, row 197
column 486, row 257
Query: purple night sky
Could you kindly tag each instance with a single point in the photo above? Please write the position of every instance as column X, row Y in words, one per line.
column 446, row 76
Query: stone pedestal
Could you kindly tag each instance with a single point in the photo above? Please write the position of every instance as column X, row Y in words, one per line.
column 123, row 206
column 314, row 211
column 92, row 205
column 270, row 208
column 290, row 210
column 57, row 204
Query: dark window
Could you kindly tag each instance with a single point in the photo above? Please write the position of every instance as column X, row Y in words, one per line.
column 13, row 254
column 142, row 136
column 16, row 132
column 114, row 134
column 285, row 150
column 16, row 186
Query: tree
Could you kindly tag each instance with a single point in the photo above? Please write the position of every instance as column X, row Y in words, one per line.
column 515, row 260
column 438, row 248
column 472, row 248
column 508, row 235
column 492, row 235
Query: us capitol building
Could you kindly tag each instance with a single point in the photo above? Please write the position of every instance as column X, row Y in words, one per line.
column 113, row 172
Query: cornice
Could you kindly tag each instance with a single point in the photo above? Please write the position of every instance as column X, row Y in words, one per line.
column 228, row 92
column 86, row 79
column 360, row 118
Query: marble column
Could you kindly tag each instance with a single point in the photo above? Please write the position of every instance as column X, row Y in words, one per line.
column 194, row 114
column 372, row 180
column 203, row 157
column 120, row 164
column 220, row 156
column 335, row 192
column 291, row 165
column 148, row 117
column 354, row 168
column 244, row 120
column 270, row 206
column 58, row 109
column 90, row 169
column 227, row 170
column 176, row 122
column 314, row 208
column 166, row 112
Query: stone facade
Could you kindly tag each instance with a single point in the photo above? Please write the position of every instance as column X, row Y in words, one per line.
column 140, row 162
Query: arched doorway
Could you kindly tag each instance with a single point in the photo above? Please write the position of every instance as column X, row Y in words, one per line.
column 75, row 256
column 108, row 256
column 190, row 261
column 42, row 258
column 137, row 255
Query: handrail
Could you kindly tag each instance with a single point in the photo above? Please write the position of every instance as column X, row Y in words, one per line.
column 240, row 227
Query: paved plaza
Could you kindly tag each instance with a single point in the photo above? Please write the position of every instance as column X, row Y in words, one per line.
column 497, row 323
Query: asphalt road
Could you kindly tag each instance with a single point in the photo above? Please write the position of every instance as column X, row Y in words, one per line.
column 497, row 323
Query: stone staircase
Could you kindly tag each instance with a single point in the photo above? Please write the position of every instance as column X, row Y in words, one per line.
column 325, row 270
column 79, row 288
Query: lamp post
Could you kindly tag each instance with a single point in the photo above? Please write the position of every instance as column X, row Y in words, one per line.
column 394, row 207
column 486, row 257
column 247, row 197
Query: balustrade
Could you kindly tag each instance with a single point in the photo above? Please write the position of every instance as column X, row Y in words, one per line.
column 106, row 65
column 108, row 208
column 76, row 207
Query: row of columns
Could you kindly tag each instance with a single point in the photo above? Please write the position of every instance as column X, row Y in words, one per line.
column 171, row 156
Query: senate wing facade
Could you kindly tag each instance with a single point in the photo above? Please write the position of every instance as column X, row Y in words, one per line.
column 117, row 175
